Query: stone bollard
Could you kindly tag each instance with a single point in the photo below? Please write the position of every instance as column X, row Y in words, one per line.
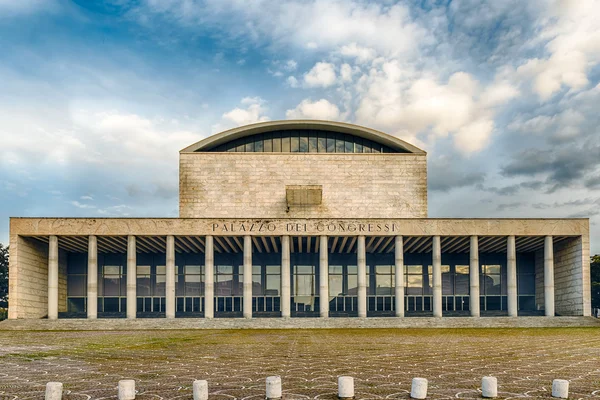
column 489, row 387
column 345, row 387
column 200, row 390
column 418, row 389
column 54, row 391
column 273, row 388
column 560, row 388
column 127, row 389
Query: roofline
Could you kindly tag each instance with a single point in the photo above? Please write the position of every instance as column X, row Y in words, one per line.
column 341, row 127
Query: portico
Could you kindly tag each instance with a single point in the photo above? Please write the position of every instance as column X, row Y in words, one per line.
column 280, row 275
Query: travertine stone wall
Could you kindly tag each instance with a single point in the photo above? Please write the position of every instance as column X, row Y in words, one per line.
column 568, row 277
column 252, row 185
column 28, row 275
column 572, row 294
column 28, row 278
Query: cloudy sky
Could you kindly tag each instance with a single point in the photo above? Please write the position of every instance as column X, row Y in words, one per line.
column 97, row 98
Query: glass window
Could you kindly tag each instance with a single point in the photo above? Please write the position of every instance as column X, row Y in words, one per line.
column 322, row 143
column 273, row 285
column 277, row 143
column 295, row 142
column 492, row 269
column 76, row 285
column 414, row 284
column 273, row 269
column 304, row 144
column 358, row 146
column 461, row 283
column 331, row 142
column 313, row 144
column 257, row 287
column 143, row 270
column 413, row 269
column 526, row 284
column 285, row 144
column 268, row 143
column 336, row 285
column 339, row 143
column 304, row 140
column 349, row 144
column 259, row 146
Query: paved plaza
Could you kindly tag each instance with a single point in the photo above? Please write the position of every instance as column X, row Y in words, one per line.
column 236, row 362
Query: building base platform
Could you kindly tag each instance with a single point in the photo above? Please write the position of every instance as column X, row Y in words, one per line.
column 296, row 323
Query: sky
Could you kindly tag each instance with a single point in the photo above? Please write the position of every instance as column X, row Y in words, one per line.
column 98, row 97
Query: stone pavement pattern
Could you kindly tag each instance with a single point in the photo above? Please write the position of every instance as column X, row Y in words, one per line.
column 236, row 362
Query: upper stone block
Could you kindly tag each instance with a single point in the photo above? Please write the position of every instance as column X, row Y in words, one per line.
column 256, row 171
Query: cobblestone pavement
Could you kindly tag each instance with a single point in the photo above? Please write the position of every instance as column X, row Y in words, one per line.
column 236, row 362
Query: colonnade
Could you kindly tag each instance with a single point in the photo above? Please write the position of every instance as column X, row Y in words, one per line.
column 209, row 278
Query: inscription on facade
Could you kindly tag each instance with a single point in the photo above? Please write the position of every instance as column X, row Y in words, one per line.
column 304, row 227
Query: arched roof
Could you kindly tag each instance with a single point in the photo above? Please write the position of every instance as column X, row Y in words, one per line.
column 264, row 127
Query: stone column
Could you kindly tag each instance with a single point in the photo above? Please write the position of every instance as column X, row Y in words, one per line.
column 361, row 260
column 323, row 277
column 247, row 300
column 437, row 277
column 92, row 278
column 285, row 278
column 399, row 273
column 548, row 276
column 131, row 278
column 53, row 278
column 209, row 278
column 474, row 277
column 170, row 278
column 511, row 277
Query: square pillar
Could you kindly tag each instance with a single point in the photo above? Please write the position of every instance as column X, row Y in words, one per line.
column 209, row 278
column 53, row 278
column 399, row 276
column 247, row 299
column 92, row 278
column 361, row 259
column 474, row 277
column 286, row 292
column 511, row 277
column 323, row 277
column 131, row 277
column 170, row 278
column 437, row 277
column 548, row 276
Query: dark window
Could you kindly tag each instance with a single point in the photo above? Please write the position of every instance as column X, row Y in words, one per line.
column 303, row 144
column 304, row 141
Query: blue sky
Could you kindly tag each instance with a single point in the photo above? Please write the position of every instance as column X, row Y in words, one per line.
column 98, row 97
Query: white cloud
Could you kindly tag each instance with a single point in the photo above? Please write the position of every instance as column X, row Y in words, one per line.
column 362, row 54
column 292, row 81
column 318, row 24
column 8, row 7
column 81, row 205
column 570, row 31
column 474, row 136
column 290, row 65
column 253, row 112
column 346, row 73
column 320, row 109
column 321, row 75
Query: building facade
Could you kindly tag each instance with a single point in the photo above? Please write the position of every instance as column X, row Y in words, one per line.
column 299, row 219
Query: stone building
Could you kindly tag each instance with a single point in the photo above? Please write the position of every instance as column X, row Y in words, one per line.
column 299, row 219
